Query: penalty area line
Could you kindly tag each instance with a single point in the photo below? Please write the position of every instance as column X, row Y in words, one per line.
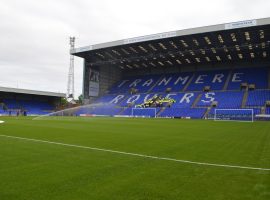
column 137, row 155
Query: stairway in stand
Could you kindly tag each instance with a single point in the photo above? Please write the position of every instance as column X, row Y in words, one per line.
column 196, row 101
column 244, row 101
column 227, row 81
column 206, row 112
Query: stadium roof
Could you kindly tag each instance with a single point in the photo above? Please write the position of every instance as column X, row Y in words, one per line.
column 231, row 42
column 33, row 92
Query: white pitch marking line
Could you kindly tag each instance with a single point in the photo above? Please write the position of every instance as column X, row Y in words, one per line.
column 139, row 155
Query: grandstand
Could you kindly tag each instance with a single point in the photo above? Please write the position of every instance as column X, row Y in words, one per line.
column 220, row 66
column 15, row 101
column 219, row 72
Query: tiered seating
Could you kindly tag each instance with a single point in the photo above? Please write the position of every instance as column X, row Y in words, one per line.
column 191, row 103
column 109, row 97
column 256, row 111
column 183, row 112
column 176, row 82
column 214, row 79
column 32, row 107
column 183, row 100
column 135, row 99
column 1, row 110
column 11, row 103
column 99, row 110
column 257, row 76
column 231, row 99
column 258, row 98
column 127, row 111
column 35, row 107
column 141, row 83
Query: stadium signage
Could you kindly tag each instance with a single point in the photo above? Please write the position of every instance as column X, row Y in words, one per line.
column 241, row 24
column 150, row 37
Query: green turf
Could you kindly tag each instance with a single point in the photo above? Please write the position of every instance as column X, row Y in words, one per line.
column 32, row 170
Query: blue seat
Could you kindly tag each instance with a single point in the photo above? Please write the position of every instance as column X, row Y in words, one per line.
column 176, row 82
column 257, row 76
column 214, row 79
column 141, row 83
column 32, row 107
column 228, row 99
column 119, row 99
column 258, row 98
column 194, row 113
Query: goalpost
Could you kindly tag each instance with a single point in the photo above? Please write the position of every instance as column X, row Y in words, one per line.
column 241, row 115
column 144, row 112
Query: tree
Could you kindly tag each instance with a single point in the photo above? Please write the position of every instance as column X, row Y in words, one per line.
column 80, row 99
column 64, row 102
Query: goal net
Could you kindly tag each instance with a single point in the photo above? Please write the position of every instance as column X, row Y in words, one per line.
column 244, row 115
column 144, row 112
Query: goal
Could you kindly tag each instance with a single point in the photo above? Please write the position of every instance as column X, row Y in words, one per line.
column 144, row 112
column 243, row 115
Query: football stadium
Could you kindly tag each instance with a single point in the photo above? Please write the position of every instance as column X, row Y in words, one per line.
column 176, row 115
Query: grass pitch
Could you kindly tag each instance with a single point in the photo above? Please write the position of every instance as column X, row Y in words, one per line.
column 35, row 170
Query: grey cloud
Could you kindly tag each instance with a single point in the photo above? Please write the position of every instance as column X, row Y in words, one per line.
column 34, row 34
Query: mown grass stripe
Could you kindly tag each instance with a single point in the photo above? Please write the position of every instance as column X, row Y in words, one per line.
column 139, row 155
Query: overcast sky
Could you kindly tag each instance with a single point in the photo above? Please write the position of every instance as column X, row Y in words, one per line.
column 34, row 42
